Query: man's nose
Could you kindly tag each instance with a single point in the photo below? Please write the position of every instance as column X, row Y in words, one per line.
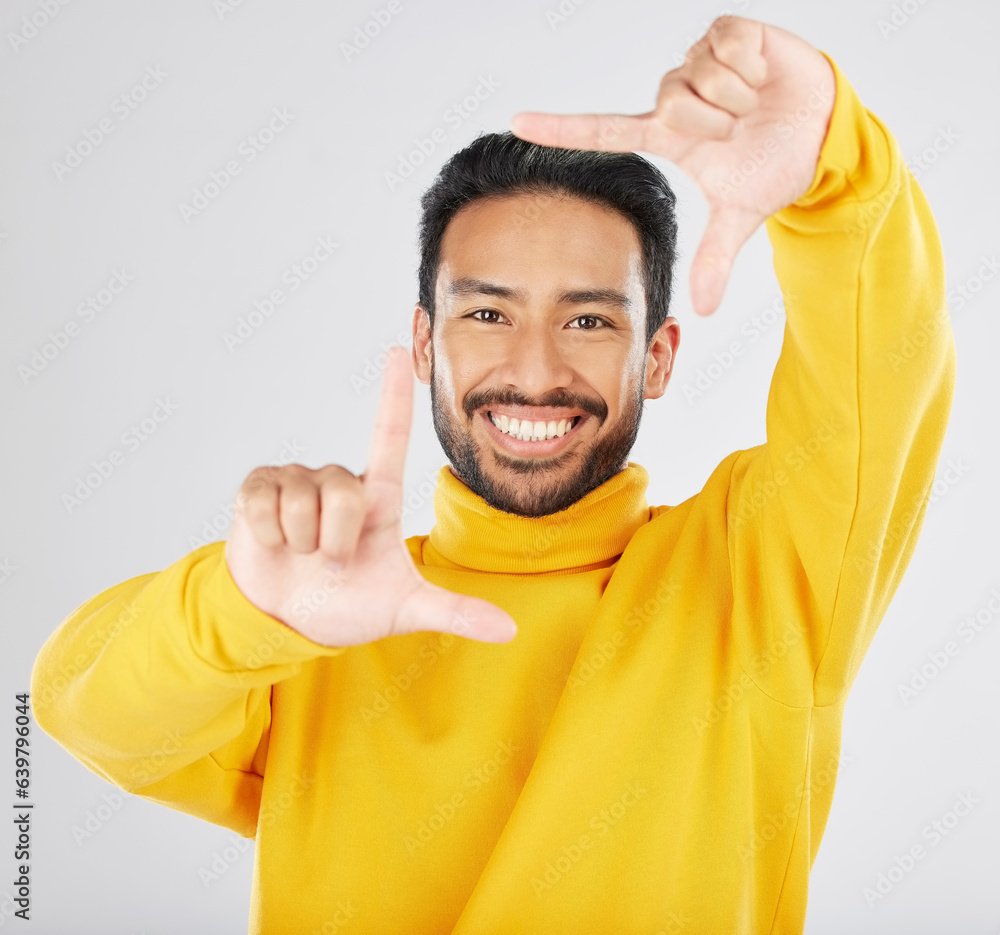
column 535, row 362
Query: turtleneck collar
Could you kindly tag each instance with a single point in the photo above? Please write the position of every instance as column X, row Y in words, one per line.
column 469, row 533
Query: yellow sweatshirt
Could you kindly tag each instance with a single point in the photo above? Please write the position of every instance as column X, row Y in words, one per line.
column 656, row 750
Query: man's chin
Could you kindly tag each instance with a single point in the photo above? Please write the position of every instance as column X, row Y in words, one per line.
column 526, row 486
column 528, row 501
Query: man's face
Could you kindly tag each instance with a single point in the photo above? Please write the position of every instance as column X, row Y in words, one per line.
column 540, row 330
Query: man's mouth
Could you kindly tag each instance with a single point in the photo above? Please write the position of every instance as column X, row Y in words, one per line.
column 532, row 430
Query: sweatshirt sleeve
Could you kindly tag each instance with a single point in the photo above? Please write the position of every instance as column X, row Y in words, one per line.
column 162, row 686
column 824, row 517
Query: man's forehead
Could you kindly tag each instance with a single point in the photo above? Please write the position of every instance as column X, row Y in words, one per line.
column 533, row 215
column 570, row 250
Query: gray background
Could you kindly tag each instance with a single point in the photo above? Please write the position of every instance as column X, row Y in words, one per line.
column 933, row 79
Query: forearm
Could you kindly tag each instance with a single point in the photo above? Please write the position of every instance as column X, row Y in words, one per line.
column 155, row 672
column 853, row 434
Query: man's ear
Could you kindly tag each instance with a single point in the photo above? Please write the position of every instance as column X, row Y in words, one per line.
column 661, row 357
column 422, row 345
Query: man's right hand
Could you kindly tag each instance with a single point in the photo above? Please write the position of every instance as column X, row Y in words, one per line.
column 323, row 550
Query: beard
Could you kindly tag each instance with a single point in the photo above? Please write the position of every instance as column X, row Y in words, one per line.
column 536, row 486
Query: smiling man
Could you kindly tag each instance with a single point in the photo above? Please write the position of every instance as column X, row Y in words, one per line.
column 563, row 709
column 541, row 325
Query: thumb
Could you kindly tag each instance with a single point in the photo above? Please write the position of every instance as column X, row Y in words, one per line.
column 429, row 607
column 725, row 234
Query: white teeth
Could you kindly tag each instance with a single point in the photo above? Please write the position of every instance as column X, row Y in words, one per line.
column 528, row 430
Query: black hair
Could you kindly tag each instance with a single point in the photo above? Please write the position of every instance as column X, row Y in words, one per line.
column 499, row 164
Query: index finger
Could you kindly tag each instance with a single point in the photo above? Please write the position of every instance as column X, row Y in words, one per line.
column 387, row 453
column 619, row 133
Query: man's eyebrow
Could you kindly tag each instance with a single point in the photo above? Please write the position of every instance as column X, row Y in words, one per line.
column 610, row 297
column 467, row 285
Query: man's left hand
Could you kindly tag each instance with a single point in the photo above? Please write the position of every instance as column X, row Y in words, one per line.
column 744, row 117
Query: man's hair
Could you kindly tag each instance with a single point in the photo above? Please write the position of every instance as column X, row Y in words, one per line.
column 501, row 164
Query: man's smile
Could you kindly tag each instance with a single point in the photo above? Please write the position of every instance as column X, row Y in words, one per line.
column 533, row 430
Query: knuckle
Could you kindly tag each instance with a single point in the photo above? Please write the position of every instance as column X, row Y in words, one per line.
column 298, row 503
column 296, row 471
column 250, row 496
column 342, row 499
column 723, row 23
column 258, row 509
column 670, row 91
column 336, row 473
column 669, row 104
column 695, row 52
column 710, row 84
column 727, row 46
column 261, row 477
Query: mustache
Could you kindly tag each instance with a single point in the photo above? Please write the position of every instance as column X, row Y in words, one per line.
column 508, row 396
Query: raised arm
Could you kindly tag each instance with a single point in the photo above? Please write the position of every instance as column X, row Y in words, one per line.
column 828, row 511
column 822, row 519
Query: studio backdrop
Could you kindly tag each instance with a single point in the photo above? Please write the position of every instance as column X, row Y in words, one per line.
column 208, row 222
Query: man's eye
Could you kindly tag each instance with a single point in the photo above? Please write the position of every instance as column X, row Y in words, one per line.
column 486, row 311
column 592, row 322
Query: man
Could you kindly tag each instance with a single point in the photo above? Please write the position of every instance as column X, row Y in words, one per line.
column 656, row 748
